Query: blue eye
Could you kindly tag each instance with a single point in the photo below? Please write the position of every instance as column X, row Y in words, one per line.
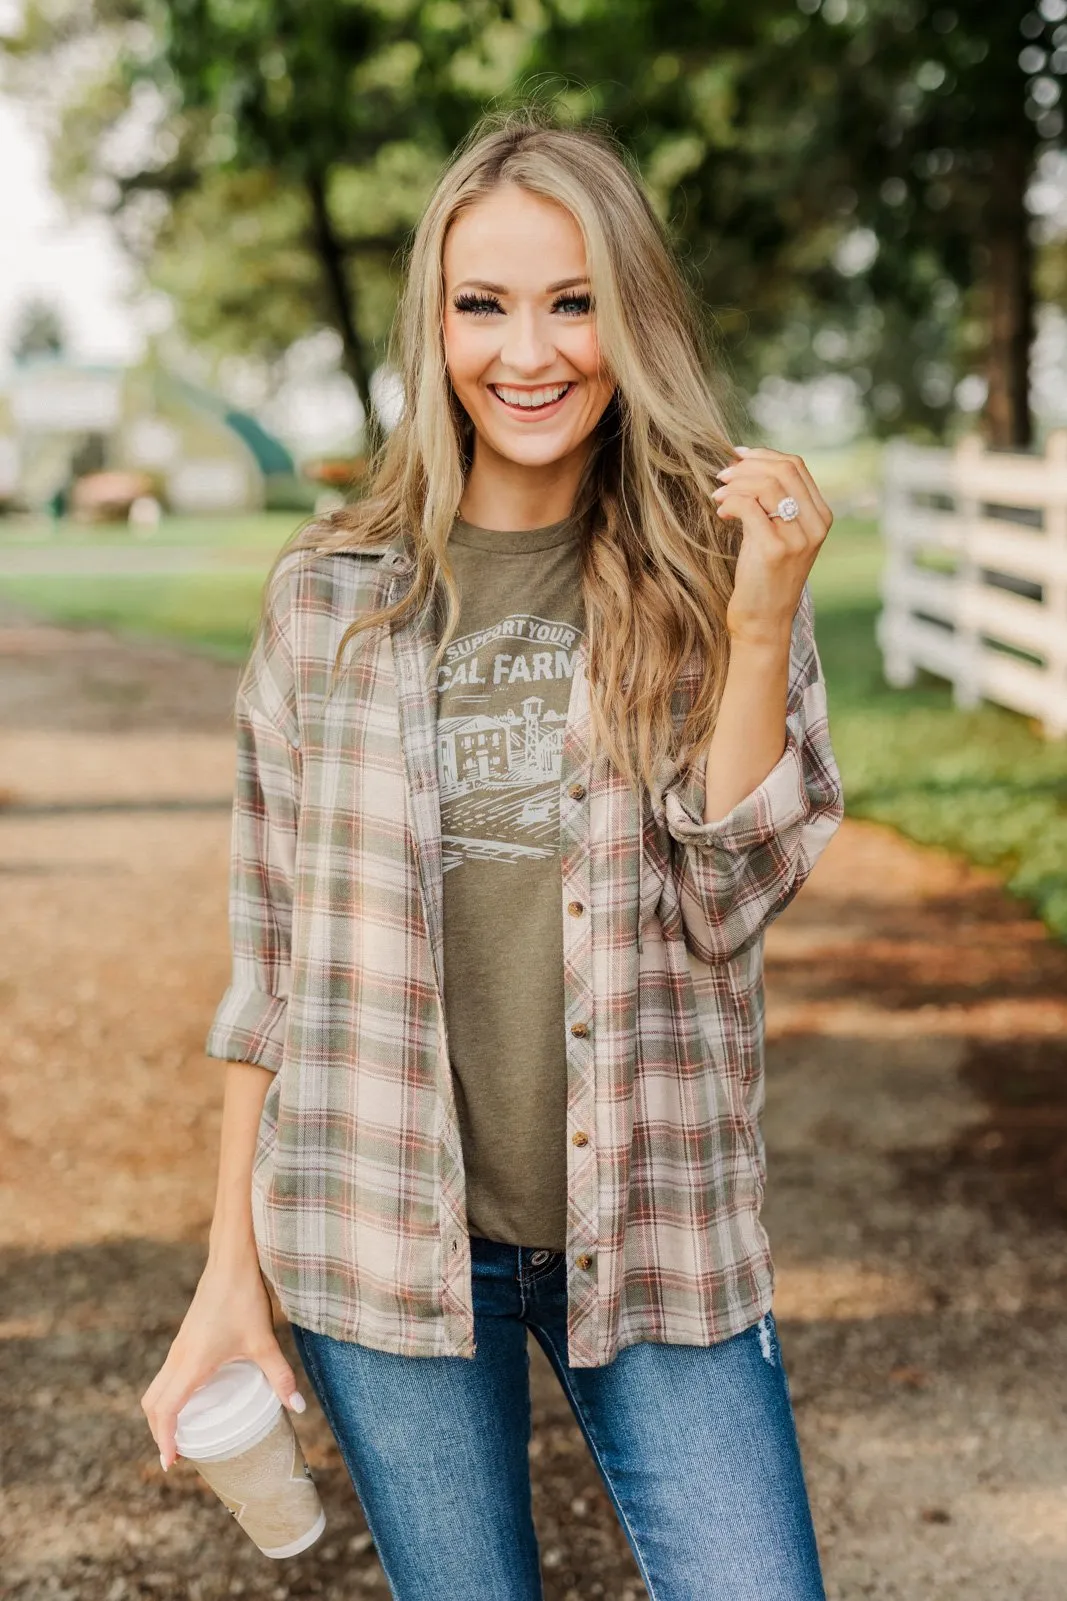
column 477, row 305
column 574, row 305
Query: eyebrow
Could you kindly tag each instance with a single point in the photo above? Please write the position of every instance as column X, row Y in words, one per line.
column 499, row 289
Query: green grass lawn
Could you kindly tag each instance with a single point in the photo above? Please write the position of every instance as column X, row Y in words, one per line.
column 211, row 610
column 264, row 531
column 208, row 611
column 985, row 782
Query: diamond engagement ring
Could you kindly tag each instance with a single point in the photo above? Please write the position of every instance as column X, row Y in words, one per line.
column 788, row 509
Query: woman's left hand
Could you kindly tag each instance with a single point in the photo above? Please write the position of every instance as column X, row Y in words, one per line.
column 775, row 556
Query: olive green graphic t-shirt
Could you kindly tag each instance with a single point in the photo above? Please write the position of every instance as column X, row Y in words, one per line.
column 502, row 694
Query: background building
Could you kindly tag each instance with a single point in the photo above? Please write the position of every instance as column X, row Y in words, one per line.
column 61, row 420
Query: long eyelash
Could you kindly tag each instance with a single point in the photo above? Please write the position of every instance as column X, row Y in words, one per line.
column 582, row 301
column 483, row 305
column 480, row 305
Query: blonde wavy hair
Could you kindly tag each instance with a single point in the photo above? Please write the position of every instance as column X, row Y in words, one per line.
column 657, row 562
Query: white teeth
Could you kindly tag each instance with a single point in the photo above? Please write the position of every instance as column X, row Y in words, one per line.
column 529, row 399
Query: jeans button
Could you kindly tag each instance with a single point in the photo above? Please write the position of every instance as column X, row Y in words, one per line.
column 539, row 1257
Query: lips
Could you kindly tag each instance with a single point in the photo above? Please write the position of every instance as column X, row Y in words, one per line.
column 532, row 402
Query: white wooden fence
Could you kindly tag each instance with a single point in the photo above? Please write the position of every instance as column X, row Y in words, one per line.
column 974, row 587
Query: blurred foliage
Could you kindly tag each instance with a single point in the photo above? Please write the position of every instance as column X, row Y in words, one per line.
column 848, row 178
column 264, row 161
column 845, row 178
column 38, row 331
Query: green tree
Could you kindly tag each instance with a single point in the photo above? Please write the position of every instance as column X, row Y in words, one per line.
column 856, row 167
column 942, row 119
column 847, row 178
column 266, row 161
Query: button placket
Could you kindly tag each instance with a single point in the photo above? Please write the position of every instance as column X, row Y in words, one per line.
column 582, row 1179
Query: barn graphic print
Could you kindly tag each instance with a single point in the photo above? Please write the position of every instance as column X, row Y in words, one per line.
column 503, row 694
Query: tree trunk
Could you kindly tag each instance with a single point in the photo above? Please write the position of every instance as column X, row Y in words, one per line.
column 341, row 298
column 1008, row 420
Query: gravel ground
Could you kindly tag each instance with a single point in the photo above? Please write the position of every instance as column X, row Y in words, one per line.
column 917, row 1140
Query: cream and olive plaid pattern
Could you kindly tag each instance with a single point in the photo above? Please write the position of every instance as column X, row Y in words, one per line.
column 335, row 915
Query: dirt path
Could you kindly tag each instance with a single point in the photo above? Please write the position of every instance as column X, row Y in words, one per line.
column 917, row 1140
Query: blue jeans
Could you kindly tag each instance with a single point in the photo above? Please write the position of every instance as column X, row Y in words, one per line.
column 696, row 1446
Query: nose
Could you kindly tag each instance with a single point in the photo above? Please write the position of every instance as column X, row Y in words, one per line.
column 525, row 348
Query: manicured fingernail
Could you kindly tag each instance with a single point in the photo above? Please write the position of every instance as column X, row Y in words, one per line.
column 162, row 1463
column 724, row 473
column 742, row 450
column 297, row 1402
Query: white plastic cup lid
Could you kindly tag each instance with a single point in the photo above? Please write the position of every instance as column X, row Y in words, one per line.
column 229, row 1411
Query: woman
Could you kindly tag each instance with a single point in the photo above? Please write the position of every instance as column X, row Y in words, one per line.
column 532, row 746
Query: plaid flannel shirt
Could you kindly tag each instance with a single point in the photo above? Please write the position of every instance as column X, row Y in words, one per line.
column 335, row 905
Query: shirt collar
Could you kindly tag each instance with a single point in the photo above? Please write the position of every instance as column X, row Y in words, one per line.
column 398, row 556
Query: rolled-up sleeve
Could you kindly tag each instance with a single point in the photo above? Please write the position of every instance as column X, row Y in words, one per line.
column 250, row 1020
column 736, row 873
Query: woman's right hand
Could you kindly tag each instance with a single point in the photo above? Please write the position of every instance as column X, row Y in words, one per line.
column 229, row 1317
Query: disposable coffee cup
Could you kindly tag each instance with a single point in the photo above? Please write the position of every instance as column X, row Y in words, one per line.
column 241, row 1440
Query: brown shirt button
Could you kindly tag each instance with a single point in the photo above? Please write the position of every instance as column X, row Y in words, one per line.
column 577, row 792
column 581, row 1029
column 580, row 1137
column 575, row 908
column 584, row 1261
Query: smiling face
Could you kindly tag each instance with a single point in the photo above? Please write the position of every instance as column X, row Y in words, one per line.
column 520, row 331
